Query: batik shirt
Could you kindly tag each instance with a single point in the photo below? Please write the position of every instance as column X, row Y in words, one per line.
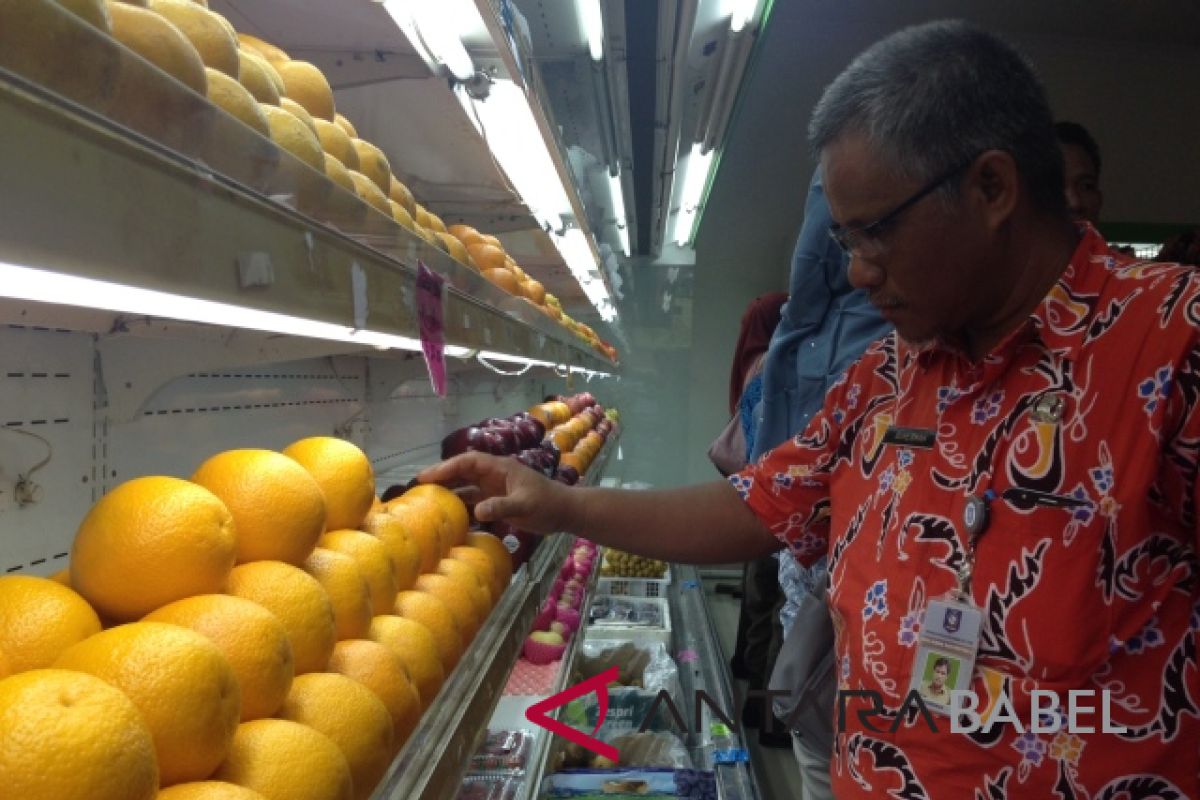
column 1100, row 595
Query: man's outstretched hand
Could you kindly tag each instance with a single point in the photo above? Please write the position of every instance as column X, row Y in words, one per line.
column 508, row 490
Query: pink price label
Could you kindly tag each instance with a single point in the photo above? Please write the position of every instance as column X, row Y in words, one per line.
column 430, row 302
column 687, row 656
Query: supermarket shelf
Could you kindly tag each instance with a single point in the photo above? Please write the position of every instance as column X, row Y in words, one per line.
column 431, row 766
column 185, row 211
column 695, row 635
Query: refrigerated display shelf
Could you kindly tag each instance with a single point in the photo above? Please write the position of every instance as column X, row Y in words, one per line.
column 432, row 764
column 217, row 213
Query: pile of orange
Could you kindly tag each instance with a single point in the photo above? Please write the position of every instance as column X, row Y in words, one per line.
column 266, row 629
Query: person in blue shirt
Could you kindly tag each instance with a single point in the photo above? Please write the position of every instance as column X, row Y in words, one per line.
column 826, row 325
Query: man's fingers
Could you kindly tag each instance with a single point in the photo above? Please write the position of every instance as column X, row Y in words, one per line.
column 499, row 508
column 464, row 468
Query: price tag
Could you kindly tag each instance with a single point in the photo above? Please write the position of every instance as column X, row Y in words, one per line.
column 687, row 656
column 430, row 303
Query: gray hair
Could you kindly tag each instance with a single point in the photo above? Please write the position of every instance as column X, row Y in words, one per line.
column 934, row 96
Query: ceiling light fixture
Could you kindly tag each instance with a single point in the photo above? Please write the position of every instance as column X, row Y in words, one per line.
column 430, row 30
column 40, row 286
column 617, row 190
column 592, row 16
column 742, row 14
column 695, row 177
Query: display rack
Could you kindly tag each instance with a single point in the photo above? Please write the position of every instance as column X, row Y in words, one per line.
column 431, row 766
column 88, row 198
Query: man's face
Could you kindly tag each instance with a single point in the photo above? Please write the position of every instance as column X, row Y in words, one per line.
column 927, row 270
column 940, row 673
column 1084, row 198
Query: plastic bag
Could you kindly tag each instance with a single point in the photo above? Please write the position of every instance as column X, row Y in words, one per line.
column 644, row 665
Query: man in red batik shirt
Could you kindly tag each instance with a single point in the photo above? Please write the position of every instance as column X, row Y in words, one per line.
column 1007, row 485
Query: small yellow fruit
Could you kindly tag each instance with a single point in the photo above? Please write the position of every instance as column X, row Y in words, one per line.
column 374, row 164
column 307, row 85
column 298, row 111
column 346, row 125
column 259, row 77
column 208, row 790
column 344, row 475
column 336, row 171
column 228, row 94
column 39, row 619
column 335, row 142
column 284, row 760
column 206, row 30
column 400, row 193
column 400, row 215
column 401, row 547
column 352, row 717
column 151, row 541
column 417, row 649
column 369, row 192
column 298, row 601
column 268, row 51
column 374, row 563
column 71, row 736
column 380, row 670
column 290, row 133
column 181, row 683
column 158, row 41
column 252, row 639
column 339, row 576
column 277, row 507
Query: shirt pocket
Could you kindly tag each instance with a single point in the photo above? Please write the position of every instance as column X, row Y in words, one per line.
column 1036, row 579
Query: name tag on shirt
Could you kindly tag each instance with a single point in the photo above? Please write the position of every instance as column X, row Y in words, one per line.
column 910, row 437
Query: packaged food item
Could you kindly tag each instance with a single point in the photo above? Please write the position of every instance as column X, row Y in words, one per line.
column 650, row 750
column 503, row 750
column 626, row 784
column 490, row 787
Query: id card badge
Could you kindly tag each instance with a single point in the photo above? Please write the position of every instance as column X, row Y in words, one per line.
column 946, row 648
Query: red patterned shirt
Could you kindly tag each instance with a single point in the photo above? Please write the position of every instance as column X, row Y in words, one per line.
column 1101, row 594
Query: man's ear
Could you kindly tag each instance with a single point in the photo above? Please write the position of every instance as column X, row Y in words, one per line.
column 993, row 186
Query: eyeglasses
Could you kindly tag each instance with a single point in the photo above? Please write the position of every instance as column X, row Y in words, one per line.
column 867, row 240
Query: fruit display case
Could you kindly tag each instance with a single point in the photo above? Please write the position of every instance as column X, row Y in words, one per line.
column 124, row 175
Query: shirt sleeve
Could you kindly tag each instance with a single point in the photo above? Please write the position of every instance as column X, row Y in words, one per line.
column 788, row 488
column 1179, row 477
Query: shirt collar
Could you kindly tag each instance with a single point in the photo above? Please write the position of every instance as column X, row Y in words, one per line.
column 1061, row 321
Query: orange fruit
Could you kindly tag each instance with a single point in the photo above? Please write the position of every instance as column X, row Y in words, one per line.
column 290, row 133
column 380, row 670
column 258, row 76
column 39, row 619
column 451, row 505
column 341, row 579
column 454, row 247
column 399, row 192
column 417, row 649
column 469, row 578
column 493, row 241
column 346, row 124
column 226, row 93
column 206, row 30
column 181, row 683
column 252, row 639
column 481, row 562
column 268, row 51
column 369, row 193
column 208, row 790
column 373, row 163
column 298, row 601
column 457, row 598
column 150, row 541
column 403, row 549
column 284, row 760
column 307, row 85
column 63, row 576
column 534, row 290
column 374, row 563
column 435, row 615
column 465, row 234
column 160, row 42
column 5, row 668
column 276, row 505
column 300, row 113
column 337, row 172
column 71, row 736
column 425, row 524
column 402, row 217
column 504, row 279
column 351, row 716
column 344, row 474
column 336, row 143
column 487, row 256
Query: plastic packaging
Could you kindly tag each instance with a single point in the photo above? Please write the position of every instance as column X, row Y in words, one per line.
column 503, row 750
column 644, row 665
column 491, row 787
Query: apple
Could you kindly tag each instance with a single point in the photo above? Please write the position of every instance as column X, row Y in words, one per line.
column 559, row 628
column 520, row 544
column 461, row 440
column 547, row 637
column 587, row 399
column 530, row 430
column 567, row 474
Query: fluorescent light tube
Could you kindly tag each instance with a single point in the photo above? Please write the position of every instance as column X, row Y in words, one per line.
column 695, row 178
column 742, row 14
column 492, row 355
column 593, row 27
column 25, row 283
column 616, row 189
column 431, row 31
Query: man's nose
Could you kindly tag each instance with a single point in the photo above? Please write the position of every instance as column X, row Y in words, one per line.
column 862, row 274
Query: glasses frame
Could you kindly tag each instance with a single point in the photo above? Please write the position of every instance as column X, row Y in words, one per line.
column 852, row 240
